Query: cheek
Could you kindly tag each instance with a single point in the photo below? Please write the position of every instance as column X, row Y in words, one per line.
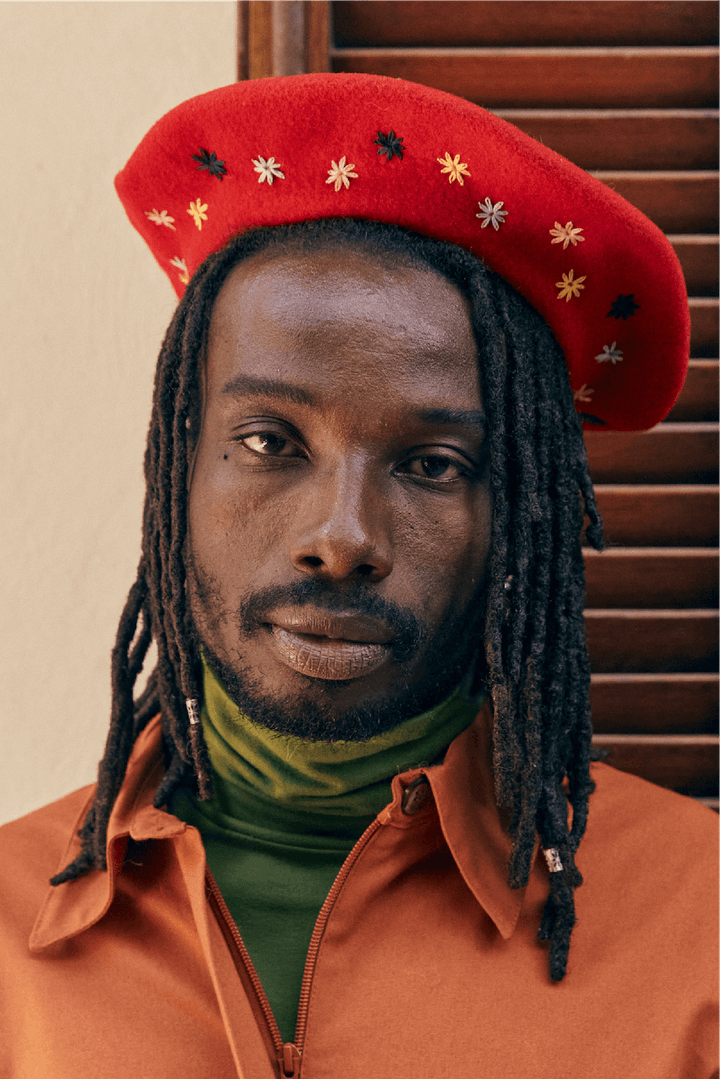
column 232, row 524
column 447, row 548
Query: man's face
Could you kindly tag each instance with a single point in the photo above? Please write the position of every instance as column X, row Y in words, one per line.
column 339, row 503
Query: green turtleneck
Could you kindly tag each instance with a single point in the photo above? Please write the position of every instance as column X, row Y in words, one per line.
column 285, row 815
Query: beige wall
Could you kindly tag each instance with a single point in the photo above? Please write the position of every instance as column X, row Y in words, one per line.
column 84, row 307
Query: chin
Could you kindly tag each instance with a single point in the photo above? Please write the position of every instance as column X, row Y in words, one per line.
column 313, row 712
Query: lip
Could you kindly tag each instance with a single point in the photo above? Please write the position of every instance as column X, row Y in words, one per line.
column 341, row 626
column 335, row 647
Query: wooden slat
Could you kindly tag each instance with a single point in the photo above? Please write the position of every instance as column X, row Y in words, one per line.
column 687, row 764
column 682, row 202
column 289, row 55
column 260, row 39
column 652, row 641
column 627, row 139
column 652, row 577
column 703, row 326
column 659, row 514
column 317, row 35
column 698, row 400
column 475, row 22
column 669, row 453
column 654, row 703
column 698, row 257
column 281, row 37
column 595, row 78
column 242, row 44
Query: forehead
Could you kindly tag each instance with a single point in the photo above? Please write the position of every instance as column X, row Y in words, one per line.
column 345, row 316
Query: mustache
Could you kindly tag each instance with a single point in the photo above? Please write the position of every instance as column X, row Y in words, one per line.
column 408, row 633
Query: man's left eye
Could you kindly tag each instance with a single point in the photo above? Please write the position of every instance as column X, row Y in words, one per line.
column 267, row 444
column 434, row 467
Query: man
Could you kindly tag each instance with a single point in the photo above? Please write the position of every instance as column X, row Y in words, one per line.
column 327, row 835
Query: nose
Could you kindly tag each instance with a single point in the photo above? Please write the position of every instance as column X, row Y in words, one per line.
column 342, row 529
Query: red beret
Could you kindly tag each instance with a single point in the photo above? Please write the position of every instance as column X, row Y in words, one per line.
column 281, row 150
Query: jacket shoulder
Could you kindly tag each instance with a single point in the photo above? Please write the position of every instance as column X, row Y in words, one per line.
column 633, row 821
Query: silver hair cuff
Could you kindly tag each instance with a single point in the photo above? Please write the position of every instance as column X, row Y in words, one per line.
column 552, row 857
column 193, row 710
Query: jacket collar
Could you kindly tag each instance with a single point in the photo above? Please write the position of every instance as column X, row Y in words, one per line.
column 74, row 906
column 464, row 790
column 462, row 787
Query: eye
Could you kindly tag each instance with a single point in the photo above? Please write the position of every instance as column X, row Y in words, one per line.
column 267, row 444
column 435, row 467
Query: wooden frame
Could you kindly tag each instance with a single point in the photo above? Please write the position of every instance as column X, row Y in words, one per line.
column 282, row 37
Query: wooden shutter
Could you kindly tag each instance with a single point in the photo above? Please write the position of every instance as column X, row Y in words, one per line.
column 627, row 90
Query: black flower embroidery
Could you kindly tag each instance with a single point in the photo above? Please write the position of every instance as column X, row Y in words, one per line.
column 623, row 307
column 210, row 162
column 390, row 144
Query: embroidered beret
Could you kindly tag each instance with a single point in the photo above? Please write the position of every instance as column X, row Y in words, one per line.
column 281, row 150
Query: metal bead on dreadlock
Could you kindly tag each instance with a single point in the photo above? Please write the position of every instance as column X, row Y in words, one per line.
column 193, row 710
column 552, row 857
column 507, row 595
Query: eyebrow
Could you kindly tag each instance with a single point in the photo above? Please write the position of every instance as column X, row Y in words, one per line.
column 251, row 386
column 455, row 417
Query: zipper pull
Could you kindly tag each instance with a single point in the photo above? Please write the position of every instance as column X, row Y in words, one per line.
column 289, row 1060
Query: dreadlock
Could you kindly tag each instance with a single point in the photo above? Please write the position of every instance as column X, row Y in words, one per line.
column 536, row 662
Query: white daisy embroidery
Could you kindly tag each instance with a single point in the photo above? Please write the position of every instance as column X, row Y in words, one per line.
column 340, row 174
column 179, row 264
column 584, row 393
column 492, row 215
column 611, row 353
column 269, row 170
column 566, row 234
column 161, row 218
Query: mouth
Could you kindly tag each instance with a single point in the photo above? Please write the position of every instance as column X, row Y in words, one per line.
column 335, row 647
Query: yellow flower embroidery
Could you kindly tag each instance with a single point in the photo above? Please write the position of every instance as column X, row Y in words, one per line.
column 569, row 286
column 455, row 167
column 197, row 212
column 179, row 264
column 584, row 393
column 340, row 174
column 161, row 218
column 566, row 234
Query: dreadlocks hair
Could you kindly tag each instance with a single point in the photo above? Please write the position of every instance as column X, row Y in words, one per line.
column 535, row 664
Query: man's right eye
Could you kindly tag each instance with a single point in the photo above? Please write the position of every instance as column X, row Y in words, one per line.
column 266, row 444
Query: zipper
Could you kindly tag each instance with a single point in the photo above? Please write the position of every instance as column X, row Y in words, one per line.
column 319, row 930
column 287, row 1054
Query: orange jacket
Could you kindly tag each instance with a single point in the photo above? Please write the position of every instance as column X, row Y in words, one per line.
column 424, row 963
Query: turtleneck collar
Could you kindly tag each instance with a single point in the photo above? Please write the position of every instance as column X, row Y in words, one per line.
column 321, row 788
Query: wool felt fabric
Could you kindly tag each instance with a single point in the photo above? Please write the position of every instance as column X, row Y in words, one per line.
column 285, row 815
column 282, row 150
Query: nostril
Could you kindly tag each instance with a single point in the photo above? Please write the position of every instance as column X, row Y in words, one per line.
column 313, row 560
column 365, row 570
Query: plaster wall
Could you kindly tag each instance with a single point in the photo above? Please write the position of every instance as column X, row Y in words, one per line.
column 84, row 309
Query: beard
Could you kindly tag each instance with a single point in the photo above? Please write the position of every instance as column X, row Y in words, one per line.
column 312, row 710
